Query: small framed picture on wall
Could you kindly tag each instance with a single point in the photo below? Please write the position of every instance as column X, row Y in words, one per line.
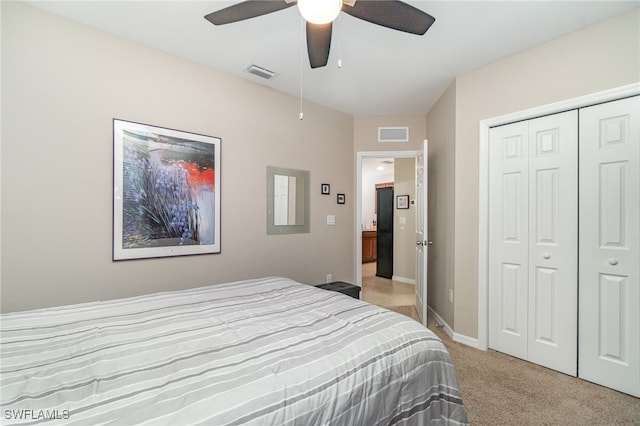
column 402, row 202
column 341, row 199
column 325, row 189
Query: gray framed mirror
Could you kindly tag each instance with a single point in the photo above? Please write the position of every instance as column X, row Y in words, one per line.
column 287, row 201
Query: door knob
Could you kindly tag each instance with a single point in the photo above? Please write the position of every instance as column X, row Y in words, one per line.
column 546, row 256
column 419, row 243
column 429, row 242
column 613, row 261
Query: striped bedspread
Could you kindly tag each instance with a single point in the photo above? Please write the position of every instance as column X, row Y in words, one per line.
column 264, row 352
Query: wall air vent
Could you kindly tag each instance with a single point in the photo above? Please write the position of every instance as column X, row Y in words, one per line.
column 393, row 134
column 260, row 71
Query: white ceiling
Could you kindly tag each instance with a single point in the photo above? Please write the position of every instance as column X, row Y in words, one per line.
column 376, row 166
column 384, row 72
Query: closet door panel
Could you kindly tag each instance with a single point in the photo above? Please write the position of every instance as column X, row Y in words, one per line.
column 609, row 322
column 508, row 270
column 553, row 248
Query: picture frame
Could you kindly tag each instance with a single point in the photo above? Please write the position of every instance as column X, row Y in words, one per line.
column 402, row 202
column 325, row 189
column 341, row 199
column 166, row 192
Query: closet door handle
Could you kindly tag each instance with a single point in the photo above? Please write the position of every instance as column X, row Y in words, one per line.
column 546, row 256
column 613, row 261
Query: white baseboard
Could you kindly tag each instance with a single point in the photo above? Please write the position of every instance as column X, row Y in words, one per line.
column 446, row 327
column 403, row 280
column 456, row 337
column 466, row 340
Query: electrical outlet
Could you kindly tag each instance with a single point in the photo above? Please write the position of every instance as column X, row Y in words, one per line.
column 329, row 278
column 450, row 295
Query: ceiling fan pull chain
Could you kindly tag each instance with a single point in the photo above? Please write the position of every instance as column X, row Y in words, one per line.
column 339, row 43
column 302, row 35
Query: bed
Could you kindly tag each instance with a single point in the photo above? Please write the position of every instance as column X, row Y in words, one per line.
column 267, row 351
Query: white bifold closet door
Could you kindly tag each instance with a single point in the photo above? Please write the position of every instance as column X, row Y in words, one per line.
column 609, row 352
column 533, row 240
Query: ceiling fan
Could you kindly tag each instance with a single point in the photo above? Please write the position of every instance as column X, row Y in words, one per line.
column 319, row 16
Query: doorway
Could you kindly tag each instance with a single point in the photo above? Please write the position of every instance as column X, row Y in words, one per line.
column 377, row 216
column 366, row 215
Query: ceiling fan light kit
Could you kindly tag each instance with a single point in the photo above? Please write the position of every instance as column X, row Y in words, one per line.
column 319, row 11
column 319, row 14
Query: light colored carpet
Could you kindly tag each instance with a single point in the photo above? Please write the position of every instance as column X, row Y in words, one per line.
column 498, row 389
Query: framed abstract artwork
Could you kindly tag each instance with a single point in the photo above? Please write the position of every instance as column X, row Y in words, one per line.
column 402, row 202
column 166, row 192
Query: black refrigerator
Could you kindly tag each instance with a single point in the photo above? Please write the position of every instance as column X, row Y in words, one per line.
column 384, row 248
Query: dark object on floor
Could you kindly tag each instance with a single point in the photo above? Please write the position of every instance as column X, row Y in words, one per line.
column 342, row 287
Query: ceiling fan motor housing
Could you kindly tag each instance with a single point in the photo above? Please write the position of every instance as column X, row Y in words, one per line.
column 319, row 14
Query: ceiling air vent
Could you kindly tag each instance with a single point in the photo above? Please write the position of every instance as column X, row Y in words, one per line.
column 260, row 71
column 393, row 134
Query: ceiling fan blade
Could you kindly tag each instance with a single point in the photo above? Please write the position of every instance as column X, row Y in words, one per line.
column 318, row 43
column 393, row 14
column 246, row 10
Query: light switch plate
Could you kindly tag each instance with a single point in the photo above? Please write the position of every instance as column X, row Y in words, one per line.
column 331, row 219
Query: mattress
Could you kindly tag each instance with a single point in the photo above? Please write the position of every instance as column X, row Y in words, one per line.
column 267, row 351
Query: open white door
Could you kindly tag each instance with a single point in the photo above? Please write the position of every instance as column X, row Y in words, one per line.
column 421, row 232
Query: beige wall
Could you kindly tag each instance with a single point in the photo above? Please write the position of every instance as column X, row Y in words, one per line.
column 441, row 134
column 404, row 235
column 63, row 83
column 599, row 57
column 365, row 133
column 365, row 139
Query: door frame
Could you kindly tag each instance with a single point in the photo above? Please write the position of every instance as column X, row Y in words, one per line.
column 358, row 230
column 483, row 179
